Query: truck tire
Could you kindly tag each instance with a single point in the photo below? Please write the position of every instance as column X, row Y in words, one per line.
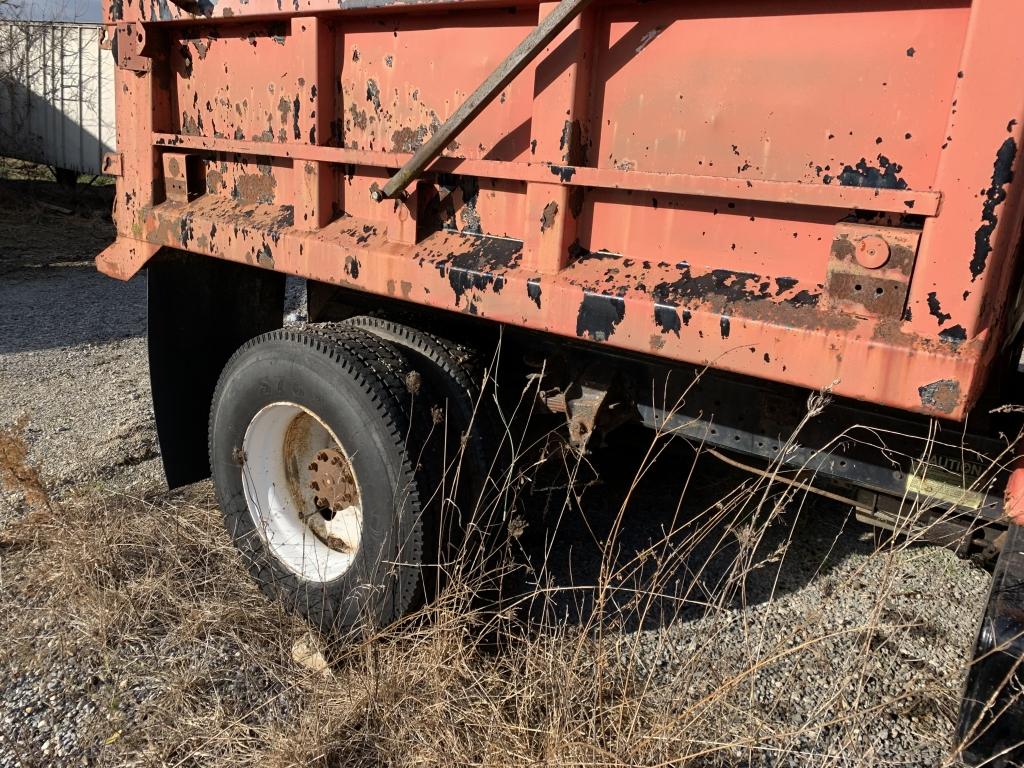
column 455, row 383
column 471, row 533
column 322, row 464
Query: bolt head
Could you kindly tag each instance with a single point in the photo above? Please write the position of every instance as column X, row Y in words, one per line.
column 872, row 252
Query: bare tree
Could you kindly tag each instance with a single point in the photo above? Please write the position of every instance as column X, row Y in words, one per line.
column 9, row 9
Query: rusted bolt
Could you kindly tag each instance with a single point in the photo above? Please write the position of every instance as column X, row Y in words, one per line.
column 872, row 252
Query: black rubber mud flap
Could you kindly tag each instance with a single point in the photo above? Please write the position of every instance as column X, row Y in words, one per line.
column 201, row 310
column 991, row 729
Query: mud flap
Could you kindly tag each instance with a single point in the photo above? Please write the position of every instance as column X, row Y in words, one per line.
column 991, row 728
column 201, row 310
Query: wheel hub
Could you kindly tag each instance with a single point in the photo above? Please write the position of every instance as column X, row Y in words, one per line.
column 335, row 498
column 302, row 491
column 332, row 483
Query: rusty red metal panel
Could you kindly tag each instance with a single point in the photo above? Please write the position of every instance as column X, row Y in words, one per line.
column 817, row 194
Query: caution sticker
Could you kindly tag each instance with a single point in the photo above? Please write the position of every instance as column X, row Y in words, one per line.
column 934, row 482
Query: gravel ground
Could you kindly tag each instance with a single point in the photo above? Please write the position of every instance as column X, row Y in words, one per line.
column 74, row 385
column 72, row 348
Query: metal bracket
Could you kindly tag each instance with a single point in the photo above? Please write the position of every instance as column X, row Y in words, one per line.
column 128, row 47
column 869, row 269
column 112, row 165
column 184, row 176
column 586, row 404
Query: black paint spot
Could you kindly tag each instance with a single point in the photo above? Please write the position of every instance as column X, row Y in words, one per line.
column 533, row 291
column 667, row 318
column 784, row 284
column 186, row 229
column 373, row 94
column 955, row 335
column 1002, row 174
column 295, row 119
column 804, row 299
column 352, row 267
column 474, row 269
column 599, row 315
column 935, row 308
column 733, row 286
column 563, row 172
column 911, row 52
column 885, row 176
column 578, row 253
column 724, row 324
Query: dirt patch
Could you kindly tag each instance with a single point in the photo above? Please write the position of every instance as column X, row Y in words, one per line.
column 17, row 476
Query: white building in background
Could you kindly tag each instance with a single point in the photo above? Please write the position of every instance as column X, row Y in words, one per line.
column 56, row 94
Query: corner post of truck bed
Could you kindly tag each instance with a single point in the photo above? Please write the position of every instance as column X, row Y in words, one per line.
column 553, row 21
column 317, row 198
column 560, row 133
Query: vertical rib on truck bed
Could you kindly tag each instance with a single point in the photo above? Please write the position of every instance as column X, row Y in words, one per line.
column 817, row 194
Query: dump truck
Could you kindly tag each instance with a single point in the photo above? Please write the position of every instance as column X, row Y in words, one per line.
column 688, row 215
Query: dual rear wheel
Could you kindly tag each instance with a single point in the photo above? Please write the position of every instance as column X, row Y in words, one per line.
column 345, row 458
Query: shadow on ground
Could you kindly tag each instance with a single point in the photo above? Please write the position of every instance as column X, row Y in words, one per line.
column 51, row 294
column 649, row 574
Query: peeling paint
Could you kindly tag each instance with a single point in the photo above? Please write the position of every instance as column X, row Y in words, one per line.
column 885, row 176
column 995, row 195
column 533, row 291
column 547, row 217
column 942, row 396
column 599, row 315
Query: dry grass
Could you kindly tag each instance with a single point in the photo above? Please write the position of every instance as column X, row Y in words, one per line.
column 679, row 651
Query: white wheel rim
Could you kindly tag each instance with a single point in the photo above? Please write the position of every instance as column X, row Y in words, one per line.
column 301, row 491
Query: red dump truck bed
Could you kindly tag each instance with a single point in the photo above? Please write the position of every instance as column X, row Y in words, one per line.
column 687, row 214
column 820, row 194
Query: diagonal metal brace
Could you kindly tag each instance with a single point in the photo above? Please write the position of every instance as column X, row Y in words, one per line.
column 524, row 53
